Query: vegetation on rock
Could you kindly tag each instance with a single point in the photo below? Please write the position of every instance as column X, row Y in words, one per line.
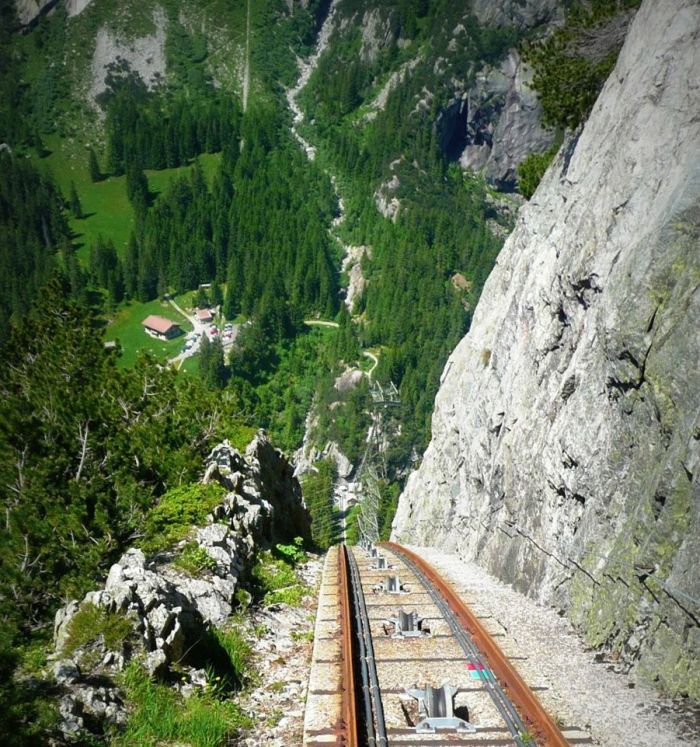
column 572, row 64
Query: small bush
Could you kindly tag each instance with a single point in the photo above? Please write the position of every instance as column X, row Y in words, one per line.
column 91, row 623
column 195, row 560
column 485, row 357
column 572, row 64
column 292, row 554
column 178, row 510
column 531, row 170
column 275, row 582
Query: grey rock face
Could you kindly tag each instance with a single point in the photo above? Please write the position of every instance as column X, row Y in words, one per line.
column 518, row 13
column 169, row 609
column 28, row 10
column 494, row 124
column 565, row 447
column 144, row 56
column 379, row 30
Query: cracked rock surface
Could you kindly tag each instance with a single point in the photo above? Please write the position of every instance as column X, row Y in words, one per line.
column 565, row 452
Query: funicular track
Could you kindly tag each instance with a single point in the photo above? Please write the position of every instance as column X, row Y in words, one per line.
column 390, row 685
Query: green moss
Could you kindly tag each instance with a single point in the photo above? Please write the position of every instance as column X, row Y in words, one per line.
column 177, row 512
column 670, row 665
column 91, row 623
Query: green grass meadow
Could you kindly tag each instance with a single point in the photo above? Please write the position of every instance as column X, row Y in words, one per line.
column 108, row 213
column 106, row 208
column 126, row 327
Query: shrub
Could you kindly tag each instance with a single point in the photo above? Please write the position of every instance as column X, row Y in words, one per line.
column 276, row 582
column 531, row 170
column 571, row 65
column 292, row 554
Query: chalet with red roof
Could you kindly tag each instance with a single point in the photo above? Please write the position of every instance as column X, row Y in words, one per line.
column 161, row 328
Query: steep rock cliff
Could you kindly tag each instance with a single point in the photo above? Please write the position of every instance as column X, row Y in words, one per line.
column 494, row 123
column 565, row 454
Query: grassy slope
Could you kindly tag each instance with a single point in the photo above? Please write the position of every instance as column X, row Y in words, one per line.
column 108, row 211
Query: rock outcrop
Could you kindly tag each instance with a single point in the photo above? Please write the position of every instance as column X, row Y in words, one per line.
column 565, row 452
column 494, row 124
column 164, row 611
column 29, row 10
column 144, row 55
column 521, row 14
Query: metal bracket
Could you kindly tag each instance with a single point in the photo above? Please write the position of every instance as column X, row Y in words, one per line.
column 436, row 710
column 408, row 625
column 391, row 585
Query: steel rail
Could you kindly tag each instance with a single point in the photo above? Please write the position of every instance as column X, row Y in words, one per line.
column 376, row 736
column 349, row 711
column 508, row 713
column 538, row 720
column 362, row 655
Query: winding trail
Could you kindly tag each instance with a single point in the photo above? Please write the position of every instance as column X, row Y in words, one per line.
column 320, row 323
column 375, row 362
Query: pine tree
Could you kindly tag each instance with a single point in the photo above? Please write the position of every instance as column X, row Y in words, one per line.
column 94, row 166
column 215, row 295
column 74, row 202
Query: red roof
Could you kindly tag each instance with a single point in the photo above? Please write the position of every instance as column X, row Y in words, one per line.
column 203, row 314
column 158, row 324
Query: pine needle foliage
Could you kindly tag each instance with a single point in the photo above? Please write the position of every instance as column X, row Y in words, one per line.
column 572, row 64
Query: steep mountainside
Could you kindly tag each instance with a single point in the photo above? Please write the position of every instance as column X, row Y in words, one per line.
column 565, row 453
column 453, row 61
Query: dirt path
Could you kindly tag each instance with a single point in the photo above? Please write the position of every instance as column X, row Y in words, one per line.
column 320, row 323
column 375, row 362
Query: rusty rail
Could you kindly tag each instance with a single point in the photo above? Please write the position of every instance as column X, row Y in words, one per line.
column 546, row 732
column 349, row 736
